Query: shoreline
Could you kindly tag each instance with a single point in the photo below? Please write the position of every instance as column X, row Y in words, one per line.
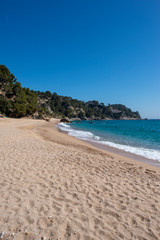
column 112, row 152
column 122, row 153
column 54, row 186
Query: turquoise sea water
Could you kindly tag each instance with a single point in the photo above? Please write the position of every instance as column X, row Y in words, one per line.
column 141, row 137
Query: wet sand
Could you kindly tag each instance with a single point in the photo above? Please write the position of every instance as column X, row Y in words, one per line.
column 138, row 158
column 120, row 152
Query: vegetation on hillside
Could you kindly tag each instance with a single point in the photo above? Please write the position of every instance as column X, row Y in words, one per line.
column 16, row 101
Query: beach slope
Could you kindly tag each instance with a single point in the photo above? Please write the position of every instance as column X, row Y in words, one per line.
column 53, row 186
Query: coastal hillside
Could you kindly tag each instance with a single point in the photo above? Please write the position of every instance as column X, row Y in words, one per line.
column 17, row 101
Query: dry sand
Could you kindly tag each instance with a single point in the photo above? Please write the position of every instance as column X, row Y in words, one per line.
column 53, row 186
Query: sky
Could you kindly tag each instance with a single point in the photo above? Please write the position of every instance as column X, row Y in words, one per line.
column 105, row 50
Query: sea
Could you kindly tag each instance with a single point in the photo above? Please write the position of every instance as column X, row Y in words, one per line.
column 138, row 137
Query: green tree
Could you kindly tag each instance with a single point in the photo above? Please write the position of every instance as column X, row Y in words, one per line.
column 5, row 105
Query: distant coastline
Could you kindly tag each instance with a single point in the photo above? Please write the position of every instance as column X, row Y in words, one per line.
column 17, row 101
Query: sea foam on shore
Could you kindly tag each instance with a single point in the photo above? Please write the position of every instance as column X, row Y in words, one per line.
column 88, row 136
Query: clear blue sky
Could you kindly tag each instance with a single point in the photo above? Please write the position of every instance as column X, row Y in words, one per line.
column 87, row 49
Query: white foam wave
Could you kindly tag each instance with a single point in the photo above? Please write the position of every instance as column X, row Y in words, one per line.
column 88, row 136
column 144, row 152
column 84, row 135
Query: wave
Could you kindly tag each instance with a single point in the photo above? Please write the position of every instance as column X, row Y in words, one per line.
column 83, row 135
column 88, row 136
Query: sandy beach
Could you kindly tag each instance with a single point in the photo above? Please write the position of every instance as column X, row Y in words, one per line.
column 53, row 186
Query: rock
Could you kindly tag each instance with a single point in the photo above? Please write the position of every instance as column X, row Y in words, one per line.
column 65, row 120
column 36, row 115
column 75, row 119
column 47, row 119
